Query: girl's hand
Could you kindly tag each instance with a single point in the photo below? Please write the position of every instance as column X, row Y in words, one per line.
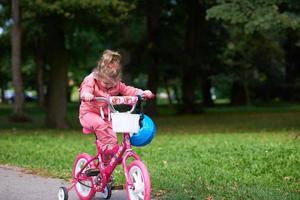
column 87, row 96
column 148, row 94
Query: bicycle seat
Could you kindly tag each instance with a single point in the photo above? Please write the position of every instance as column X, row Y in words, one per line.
column 87, row 131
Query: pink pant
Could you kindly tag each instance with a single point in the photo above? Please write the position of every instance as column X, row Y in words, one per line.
column 102, row 128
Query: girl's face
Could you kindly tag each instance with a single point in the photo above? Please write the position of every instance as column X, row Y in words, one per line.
column 114, row 64
column 107, row 84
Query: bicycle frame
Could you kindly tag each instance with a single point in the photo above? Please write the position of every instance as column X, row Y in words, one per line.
column 121, row 157
column 91, row 174
column 105, row 172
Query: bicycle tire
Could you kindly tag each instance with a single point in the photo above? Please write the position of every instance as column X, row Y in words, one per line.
column 140, row 178
column 84, row 191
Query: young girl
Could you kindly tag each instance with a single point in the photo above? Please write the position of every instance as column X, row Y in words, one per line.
column 104, row 81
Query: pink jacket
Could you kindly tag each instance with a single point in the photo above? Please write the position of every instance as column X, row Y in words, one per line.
column 91, row 85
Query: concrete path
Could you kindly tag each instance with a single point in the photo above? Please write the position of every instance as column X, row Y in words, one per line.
column 17, row 185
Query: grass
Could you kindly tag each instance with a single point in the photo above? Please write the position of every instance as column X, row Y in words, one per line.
column 244, row 153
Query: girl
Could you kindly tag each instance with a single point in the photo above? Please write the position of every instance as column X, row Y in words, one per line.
column 104, row 81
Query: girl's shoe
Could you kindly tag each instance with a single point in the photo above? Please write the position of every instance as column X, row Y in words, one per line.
column 109, row 152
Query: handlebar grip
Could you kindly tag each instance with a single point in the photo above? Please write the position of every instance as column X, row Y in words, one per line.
column 84, row 100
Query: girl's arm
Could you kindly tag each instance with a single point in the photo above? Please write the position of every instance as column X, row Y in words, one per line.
column 87, row 85
column 129, row 90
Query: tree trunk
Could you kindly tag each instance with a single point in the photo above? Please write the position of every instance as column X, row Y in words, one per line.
column 292, row 68
column 188, row 93
column 168, row 92
column 58, row 60
column 16, row 61
column 189, row 71
column 69, row 93
column 239, row 94
column 126, row 55
column 206, row 93
column 2, row 85
column 126, row 60
column 57, row 102
column 152, row 85
column 177, row 95
column 40, row 63
column 153, row 10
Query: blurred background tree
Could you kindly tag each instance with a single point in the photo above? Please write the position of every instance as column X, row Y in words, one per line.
column 274, row 28
column 193, row 54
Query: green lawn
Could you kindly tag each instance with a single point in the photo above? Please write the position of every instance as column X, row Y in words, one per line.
column 249, row 153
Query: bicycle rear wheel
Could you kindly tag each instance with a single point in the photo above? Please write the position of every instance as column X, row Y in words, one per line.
column 84, row 189
column 140, row 178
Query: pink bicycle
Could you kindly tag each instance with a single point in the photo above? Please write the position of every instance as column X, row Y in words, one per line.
column 90, row 175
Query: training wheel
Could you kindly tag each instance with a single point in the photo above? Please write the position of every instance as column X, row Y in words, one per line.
column 62, row 193
column 106, row 194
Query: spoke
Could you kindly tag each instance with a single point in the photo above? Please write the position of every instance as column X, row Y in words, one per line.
column 140, row 196
column 135, row 177
column 136, row 174
column 81, row 165
column 139, row 184
column 139, row 180
column 139, row 188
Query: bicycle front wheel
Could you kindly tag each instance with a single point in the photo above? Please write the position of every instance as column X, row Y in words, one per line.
column 140, row 178
column 84, row 189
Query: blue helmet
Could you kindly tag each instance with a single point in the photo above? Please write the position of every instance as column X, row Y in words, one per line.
column 146, row 133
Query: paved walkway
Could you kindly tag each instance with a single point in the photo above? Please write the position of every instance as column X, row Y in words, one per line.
column 16, row 185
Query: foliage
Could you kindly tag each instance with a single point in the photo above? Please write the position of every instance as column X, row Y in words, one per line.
column 223, row 52
column 259, row 58
column 258, row 15
column 256, row 60
column 83, row 22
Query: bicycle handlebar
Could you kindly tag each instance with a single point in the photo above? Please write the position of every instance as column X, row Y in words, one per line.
column 119, row 100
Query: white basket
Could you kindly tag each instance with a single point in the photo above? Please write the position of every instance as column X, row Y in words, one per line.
column 125, row 122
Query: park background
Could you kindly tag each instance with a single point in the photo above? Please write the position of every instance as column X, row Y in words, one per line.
column 226, row 74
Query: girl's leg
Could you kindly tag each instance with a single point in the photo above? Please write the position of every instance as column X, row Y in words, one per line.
column 108, row 141
column 108, row 138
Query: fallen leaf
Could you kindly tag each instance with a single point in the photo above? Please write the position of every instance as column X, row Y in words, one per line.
column 209, row 198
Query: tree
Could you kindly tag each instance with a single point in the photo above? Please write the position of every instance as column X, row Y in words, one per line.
column 292, row 66
column 195, row 14
column 275, row 19
column 16, row 61
column 58, row 59
column 153, row 12
column 5, row 62
column 204, row 43
column 58, row 22
column 256, row 15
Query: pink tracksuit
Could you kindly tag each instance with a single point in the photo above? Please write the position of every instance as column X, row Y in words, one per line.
column 95, row 115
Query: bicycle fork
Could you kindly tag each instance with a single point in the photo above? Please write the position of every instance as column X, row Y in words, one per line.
column 129, row 153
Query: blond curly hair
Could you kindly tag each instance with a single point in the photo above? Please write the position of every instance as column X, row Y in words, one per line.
column 109, row 67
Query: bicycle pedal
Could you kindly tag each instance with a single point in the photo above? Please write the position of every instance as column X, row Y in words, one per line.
column 117, row 187
column 92, row 172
